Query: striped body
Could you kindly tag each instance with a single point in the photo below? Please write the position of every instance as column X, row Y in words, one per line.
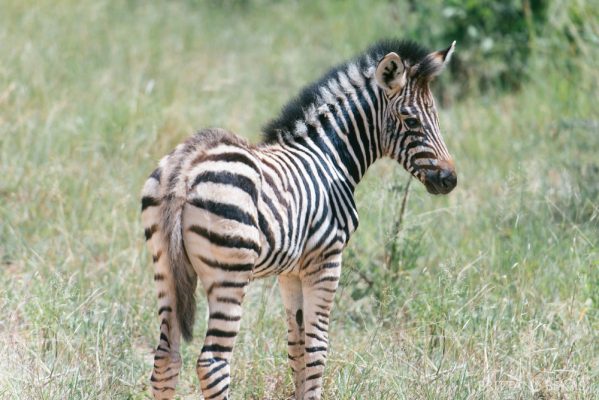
column 227, row 212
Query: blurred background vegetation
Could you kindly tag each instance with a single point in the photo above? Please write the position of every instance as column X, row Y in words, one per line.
column 490, row 292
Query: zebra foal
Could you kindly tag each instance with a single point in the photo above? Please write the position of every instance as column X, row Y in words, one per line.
column 226, row 211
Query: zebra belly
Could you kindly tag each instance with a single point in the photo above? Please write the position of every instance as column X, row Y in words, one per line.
column 292, row 255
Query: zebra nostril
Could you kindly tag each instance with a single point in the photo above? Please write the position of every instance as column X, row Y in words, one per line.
column 441, row 181
column 448, row 179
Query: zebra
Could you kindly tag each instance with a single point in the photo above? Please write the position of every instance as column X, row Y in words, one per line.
column 227, row 211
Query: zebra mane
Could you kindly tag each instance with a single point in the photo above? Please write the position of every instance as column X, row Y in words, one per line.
column 411, row 52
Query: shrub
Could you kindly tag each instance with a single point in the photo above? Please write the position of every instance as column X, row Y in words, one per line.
column 495, row 39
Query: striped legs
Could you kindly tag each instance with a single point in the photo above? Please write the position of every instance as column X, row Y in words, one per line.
column 167, row 360
column 224, row 306
column 308, row 301
column 291, row 292
column 319, row 289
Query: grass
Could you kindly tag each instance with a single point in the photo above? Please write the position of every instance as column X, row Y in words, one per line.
column 497, row 293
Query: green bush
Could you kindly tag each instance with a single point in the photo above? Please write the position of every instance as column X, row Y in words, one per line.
column 495, row 39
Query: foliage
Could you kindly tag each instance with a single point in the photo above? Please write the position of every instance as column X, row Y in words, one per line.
column 495, row 39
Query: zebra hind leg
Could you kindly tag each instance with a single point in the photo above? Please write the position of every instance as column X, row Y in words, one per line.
column 291, row 293
column 224, row 306
column 167, row 360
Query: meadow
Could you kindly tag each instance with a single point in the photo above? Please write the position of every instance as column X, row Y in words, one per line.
column 492, row 292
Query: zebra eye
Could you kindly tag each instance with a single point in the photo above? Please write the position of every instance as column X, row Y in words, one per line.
column 412, row 123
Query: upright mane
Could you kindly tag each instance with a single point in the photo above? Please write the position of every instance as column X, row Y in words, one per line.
column 284, row 124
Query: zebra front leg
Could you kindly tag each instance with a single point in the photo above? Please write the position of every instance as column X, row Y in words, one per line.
column 224, row 307
column 319, row 286
column 291, row 293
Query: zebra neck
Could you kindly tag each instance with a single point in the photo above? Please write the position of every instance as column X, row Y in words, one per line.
column 345, row 129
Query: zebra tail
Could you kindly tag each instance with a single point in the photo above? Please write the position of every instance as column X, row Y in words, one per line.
column 184, row 277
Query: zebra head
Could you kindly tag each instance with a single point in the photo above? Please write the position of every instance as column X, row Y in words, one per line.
column 411, row 133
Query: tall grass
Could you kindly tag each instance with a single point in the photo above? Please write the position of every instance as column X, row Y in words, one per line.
column 495, row 291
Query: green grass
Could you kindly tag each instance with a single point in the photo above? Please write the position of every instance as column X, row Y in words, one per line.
column 497, row 295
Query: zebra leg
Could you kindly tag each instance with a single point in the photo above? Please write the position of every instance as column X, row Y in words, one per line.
column 291, row 292
column 319, row 289
column 167, row 360
column 224, row 306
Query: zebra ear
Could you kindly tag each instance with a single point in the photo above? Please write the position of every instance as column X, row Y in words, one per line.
column 390, row 73
column 434, row 63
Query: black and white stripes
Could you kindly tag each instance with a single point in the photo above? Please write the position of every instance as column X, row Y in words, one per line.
column 227, row 212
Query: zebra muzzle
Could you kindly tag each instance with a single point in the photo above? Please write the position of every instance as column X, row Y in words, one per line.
column 440, row 181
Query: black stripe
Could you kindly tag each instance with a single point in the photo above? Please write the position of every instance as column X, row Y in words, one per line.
column 339, row 147
column 315, row 349
column 225, row 241
column 163, row 337
column 327, row 279
column 371, row 115
column 314, row 364
column 213, row 371
column 217, row 381
column 156, row 174
column 270, row 182
column 165, row 322
column 228, row 300
column 315, row 376
column 232, row 157
column 215, row 395
column 265, row 229
column 227, row 178
column 148, row 201
column 226, row 285
column 220, row 333
column 153, row 378
column 423, row 154
column 149, row 232
column 165, row 309
column 363, row 159
column 320, row 328
column 223, row 210
column 413, row 144
column 224, row 317
column 226, row 267
column 207, row 362
column 315, row 336
column 216, row 348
